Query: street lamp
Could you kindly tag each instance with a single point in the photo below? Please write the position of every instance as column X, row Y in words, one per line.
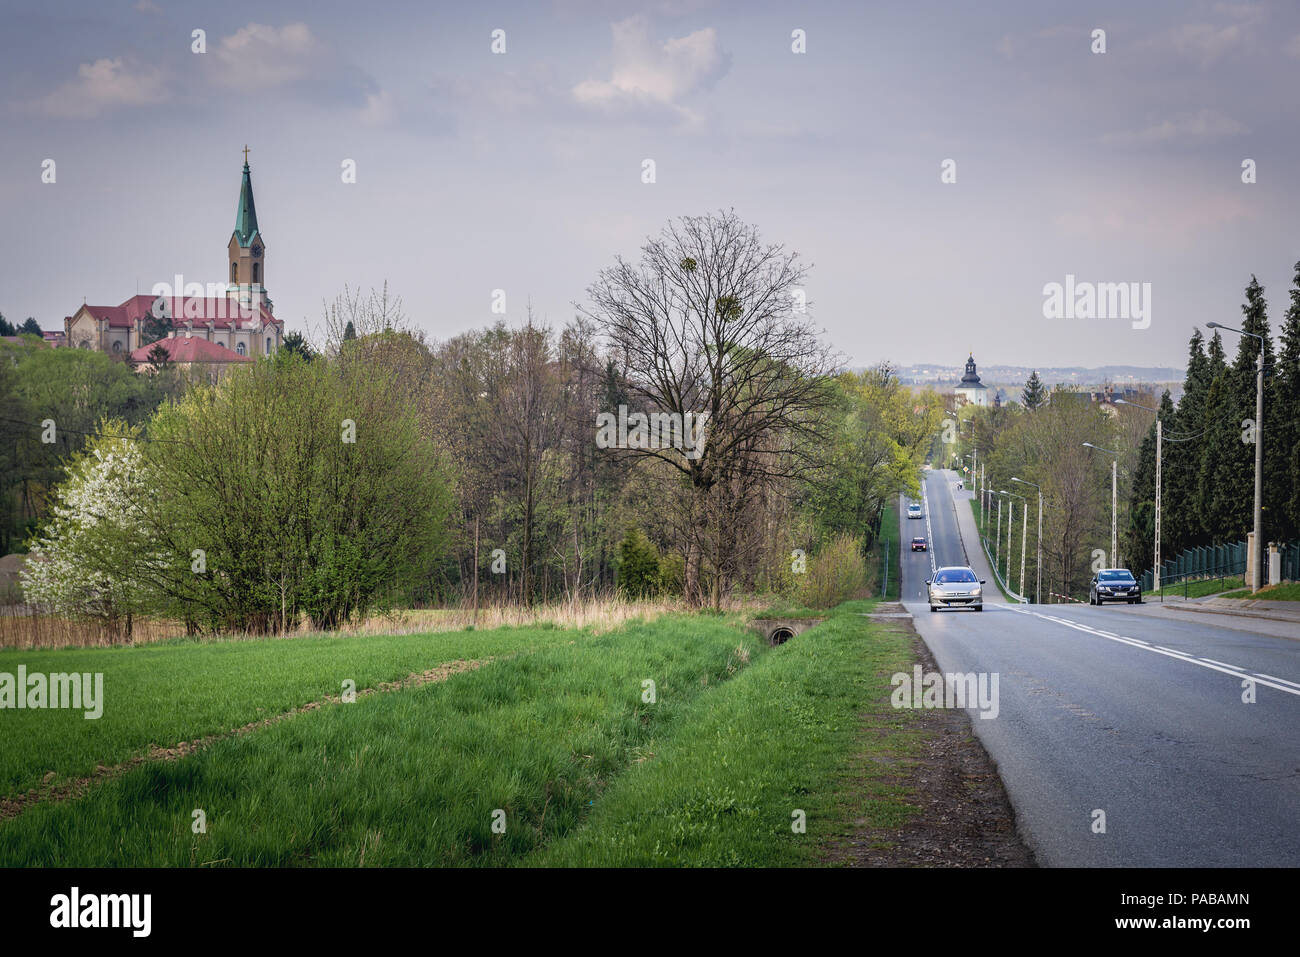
column 1024, row 538
column 1160, row 441
column 1257, row 565
column 1038, row 583
column 1114, row 502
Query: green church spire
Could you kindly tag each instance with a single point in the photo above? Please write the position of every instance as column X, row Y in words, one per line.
column 246, row 215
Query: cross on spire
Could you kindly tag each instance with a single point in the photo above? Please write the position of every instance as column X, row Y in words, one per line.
column 245, row 154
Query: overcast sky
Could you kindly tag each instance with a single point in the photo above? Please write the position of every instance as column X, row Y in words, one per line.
column 522, row 171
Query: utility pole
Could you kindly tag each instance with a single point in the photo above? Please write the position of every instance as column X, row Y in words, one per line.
column 1038, row 583
column 997, row 544
column 1160, row 448
column 1256, row 558
column 1024, row 538
column 1160, row 438
column 1114, row 502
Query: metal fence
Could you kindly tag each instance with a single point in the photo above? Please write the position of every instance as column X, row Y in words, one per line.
column 1218, row 561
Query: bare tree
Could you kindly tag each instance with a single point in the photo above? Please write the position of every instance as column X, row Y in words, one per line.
column 711, row 323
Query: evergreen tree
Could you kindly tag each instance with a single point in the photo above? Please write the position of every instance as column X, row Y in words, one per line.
column 1181, row 525
column 349, row 331
column 6, row 327
column 30, row 327
column 1282, row 427
column 1033, row 395
column 638, row 568
column 1255, row 313
column 296, row 343
column 1227, row 479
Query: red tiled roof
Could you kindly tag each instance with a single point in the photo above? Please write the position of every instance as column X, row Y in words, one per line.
column 197, row 309
column 192, row 349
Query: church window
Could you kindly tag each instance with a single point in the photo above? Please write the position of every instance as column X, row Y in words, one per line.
column 234, row 272
column 240, row 348
column 257, row 272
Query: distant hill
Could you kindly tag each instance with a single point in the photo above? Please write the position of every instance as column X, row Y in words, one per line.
column 940, row 374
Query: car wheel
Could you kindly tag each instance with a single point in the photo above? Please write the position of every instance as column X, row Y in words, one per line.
column 979, row 607
column 933, row 609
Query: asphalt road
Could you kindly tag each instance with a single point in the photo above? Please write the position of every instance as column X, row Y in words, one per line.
column 1118, row 711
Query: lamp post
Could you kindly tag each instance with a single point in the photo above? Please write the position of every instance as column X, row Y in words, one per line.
column 1038, row 578
column 1257, row 565
column 1160, row 442
column 1114, row 502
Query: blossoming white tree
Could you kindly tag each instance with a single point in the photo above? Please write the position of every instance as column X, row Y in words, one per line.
column 89, row 562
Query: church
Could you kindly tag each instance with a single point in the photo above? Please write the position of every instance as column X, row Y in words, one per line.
column 236, row 324
column 972, row 390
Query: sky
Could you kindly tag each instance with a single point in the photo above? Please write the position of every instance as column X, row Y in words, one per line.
column 522, row 170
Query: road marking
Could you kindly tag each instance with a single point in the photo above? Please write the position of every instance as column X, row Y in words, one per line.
column 929, row 531
column 1271, row 678
column 1213, row 662
column 1278, row 684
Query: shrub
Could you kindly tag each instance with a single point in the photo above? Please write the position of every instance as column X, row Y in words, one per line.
column 309, row 488
column 837, row 573
column 638, row 565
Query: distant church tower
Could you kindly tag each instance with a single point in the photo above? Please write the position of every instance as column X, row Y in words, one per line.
column 247, row 251
column 971, row 389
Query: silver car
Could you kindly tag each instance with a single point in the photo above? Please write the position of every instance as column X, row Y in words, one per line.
column 955, row 586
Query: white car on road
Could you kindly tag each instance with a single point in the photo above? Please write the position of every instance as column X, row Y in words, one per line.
column 914, row 511
column 955, row 586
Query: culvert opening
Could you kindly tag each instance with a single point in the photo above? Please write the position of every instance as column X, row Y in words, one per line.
column 781, row 636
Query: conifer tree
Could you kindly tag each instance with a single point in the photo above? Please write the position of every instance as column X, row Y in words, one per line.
column 1033, row 395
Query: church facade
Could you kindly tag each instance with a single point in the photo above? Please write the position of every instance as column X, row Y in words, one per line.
column 238, row 319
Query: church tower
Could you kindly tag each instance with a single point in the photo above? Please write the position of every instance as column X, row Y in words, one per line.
column 247, row 251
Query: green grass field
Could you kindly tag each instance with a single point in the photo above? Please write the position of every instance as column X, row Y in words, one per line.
column 554, row 739
column 165, row 693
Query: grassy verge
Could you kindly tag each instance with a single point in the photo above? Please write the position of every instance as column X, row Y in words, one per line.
column 1288, row 591
column 1199, row 589
column 890, row 544
column 162, row 694
column 808, row 728
column 415, row 777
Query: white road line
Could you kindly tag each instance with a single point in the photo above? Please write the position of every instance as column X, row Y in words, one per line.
column 1278, row 684
column 1213, row 662
column 929, row 531
column 1271, row 678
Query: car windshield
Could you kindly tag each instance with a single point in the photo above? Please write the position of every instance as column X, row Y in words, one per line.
column 1115, row 576
column 952, row 576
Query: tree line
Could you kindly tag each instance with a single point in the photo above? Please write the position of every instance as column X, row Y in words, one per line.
column 367, row 466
